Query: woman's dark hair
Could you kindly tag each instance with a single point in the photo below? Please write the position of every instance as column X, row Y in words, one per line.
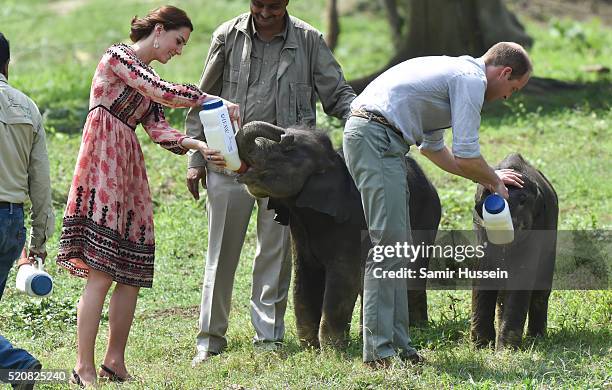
column 170, row 17
column 5, row 51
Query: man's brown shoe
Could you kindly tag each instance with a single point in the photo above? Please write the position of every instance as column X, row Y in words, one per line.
column 378, row 364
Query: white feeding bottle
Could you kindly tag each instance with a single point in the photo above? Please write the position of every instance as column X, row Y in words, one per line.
column 219, row 132
column 33, row 280
column 497, row 220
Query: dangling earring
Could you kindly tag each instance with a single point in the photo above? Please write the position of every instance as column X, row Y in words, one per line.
column 155, row 44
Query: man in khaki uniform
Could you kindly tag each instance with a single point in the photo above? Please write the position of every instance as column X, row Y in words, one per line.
column 274, row 66
column 24, row 171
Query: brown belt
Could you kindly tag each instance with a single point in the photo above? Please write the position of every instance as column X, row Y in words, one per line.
column 361, row 113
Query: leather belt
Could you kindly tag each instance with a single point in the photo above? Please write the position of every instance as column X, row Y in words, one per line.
column 7, row 205
column 361, row 113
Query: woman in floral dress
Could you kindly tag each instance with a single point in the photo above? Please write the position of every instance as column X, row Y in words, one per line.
column 107, row 232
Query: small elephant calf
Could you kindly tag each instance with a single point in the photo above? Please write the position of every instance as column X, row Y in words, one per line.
column 529, row 259
column 311, row 190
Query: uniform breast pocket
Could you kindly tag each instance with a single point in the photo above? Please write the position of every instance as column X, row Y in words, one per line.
column 255, row 70
column 301, row 94
column 16, row 119
column 230, row 82
column 20, row 125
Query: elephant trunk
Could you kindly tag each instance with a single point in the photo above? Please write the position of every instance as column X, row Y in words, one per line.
column 245, row 138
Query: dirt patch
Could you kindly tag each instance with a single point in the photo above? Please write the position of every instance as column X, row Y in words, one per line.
column 192, row 311
column 544, row 10
column 539, row 10
column 65, row 7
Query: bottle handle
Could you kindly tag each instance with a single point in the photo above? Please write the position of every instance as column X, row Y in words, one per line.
column 236, row 127
column 39, row 263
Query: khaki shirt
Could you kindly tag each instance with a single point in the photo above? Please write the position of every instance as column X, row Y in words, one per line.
column 24, row 163
column 306, row 70
column 265, row 57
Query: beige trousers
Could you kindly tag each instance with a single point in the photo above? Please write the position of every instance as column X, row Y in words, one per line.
column 229, row 209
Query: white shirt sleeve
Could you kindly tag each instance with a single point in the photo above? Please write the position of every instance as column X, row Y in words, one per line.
column 466, row 94
column 433, row 140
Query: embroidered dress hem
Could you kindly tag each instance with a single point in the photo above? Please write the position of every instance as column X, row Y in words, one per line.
column 85, row 244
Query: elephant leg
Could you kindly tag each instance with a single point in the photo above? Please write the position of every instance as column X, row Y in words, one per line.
column 417, row 295
column 308, row 292
column 538, row 307
column 341, row 290
column 417, row 287
column 511, row 319
column 483, row 317
column 538, row 313
column 417, row 308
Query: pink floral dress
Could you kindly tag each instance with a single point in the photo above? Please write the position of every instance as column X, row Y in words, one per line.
column 108, row 221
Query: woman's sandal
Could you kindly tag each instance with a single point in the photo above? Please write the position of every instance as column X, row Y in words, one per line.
column 112, row 375
column 76, row 380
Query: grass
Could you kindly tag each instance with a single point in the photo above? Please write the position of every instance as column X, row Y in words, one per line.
column 565, row 134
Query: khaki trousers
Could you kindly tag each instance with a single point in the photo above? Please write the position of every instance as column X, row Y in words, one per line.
column 375, row 157
column 229, row 209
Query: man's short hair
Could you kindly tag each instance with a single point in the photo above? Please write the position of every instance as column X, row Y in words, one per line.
column 5, row 51
column 509, row 54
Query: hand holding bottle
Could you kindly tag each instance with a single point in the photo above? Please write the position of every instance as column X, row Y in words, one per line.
column 211, row 155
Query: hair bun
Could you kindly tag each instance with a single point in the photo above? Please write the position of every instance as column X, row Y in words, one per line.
column 168, row 16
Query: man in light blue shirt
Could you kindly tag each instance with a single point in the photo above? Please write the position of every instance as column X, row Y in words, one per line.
column 412, row 104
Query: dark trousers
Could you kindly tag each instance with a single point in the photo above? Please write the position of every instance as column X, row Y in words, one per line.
column 12, row 240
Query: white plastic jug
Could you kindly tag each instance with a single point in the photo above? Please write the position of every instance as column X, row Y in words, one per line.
column 33, row 280
column 219, row 132
column 497, row 220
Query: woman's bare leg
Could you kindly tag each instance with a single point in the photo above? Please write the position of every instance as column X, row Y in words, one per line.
column 89, row 311
column 120, row 315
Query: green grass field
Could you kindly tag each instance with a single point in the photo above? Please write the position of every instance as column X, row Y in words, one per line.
column 55, row 48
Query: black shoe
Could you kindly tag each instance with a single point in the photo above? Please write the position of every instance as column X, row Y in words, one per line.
column 76, row 380
column 36, row 366
column 112, row 375
column 413, row 358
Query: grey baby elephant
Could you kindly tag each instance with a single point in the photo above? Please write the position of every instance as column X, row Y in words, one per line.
column 529, row 260
column 311, row 190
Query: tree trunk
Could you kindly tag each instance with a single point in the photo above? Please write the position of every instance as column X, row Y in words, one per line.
column 395, row 20
column 333, row 24
column 452, row 27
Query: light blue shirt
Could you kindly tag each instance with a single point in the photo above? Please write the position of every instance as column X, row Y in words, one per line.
column 423, row 96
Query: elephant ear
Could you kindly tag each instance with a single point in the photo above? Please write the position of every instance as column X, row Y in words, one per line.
column 287, row 142
column 332, row 192
column 540, row 201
